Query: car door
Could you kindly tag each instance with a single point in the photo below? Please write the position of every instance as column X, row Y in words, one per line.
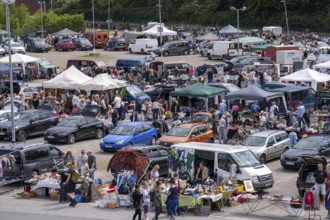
column 195, row 135
column 138, row 135
column 36, row 125
column 83, row 129
column 163, row 161
column 173, row 49
column 147, row 134
column 271, row 150
column 279, row 145
column 223, row 165
column 57, row 155
column 92, row 124
column 203, row 134
column 36, row 159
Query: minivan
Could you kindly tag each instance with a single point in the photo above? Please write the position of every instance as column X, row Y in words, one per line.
column 226, row 162
column 143, row 45
column 30, row 159
column 36, row 44
column 174, row 48
column 128, row 63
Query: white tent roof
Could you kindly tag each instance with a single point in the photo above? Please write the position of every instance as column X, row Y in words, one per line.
column 229, row 29
column 325, row 65
column 154, row 31
column 101, row 82
column 19, row 58
column 307, row 75
column 71, row 78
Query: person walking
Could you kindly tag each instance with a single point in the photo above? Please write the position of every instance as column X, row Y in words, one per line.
column 146, row 200
column 157, row 201
column 301, row 112
column 273, row 113
column 155, row 109
column 172, row 199
column 234, row 112
column 320, row 179
column 91, row 160
column 137, row 202
column 223, row 109
column 222, row 129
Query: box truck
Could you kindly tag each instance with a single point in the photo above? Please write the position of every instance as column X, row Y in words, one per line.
column 288, row 57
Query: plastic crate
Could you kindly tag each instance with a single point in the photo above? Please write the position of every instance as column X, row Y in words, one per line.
column 202, row 210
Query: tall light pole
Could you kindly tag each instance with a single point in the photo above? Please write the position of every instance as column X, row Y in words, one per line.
column 160, row 29
column 93, row 24
column 237, row 12
column 7, row 2
column 109, row 16
column 286, row 18
column 42, row 20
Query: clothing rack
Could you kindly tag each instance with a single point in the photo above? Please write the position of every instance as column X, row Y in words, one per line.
column 311, row 210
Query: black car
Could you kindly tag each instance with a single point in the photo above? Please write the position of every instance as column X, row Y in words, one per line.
column 28, row 123
column 83, row 44
column 174, row 48
column 116, row 44
column 75, row 128
column 160, row 91
column 36, row 44
column 312, row 145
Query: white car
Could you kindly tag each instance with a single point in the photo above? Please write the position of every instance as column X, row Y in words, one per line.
column 15, row 48
column 2, row 51
column 4, row 115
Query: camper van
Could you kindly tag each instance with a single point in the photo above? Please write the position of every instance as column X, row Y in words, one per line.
column 223, row 50
column 225, row 162
column 101, row 37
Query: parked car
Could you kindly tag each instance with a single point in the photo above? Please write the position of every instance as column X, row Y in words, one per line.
column 101, row 66
column 141, row 159
column 204, row 49
column 276, row 85
column 75, row 128
column 17, row 105
column 174, row 48
column 160, row 91
column 65, row 45
column 36, row 44
column 2, row 51
column 5, row 87
column 315, row 145
column 128, row 134
column 15, row 48
column 30, row 159
column 5, row 115
column 132, row 91
column 83, row 44
column 115, row 44
column 188, row 132
column 143, row 45
column 249, row 61
column 28, row 91
column 47, row 69
column 267, row 145
column 28, row 123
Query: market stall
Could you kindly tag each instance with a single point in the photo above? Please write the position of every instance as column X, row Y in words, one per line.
column 22, row 59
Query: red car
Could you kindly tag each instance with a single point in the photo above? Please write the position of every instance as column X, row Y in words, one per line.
column 65, row 44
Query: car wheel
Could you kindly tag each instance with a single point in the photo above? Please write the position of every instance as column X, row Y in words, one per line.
column 142, row 51
column 262, row 159
column 153, row 140
column 185, row 52
column 71, row 139
column 99, row 133
column 130, row 144
column 165, row 54
column 130, row 50
column 21, row 135
column 285, row 167
column 211, row 140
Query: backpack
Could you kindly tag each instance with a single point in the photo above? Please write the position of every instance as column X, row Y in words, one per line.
column 152, row 195
column 309, row 199
column 75, row 176
column 276, row 111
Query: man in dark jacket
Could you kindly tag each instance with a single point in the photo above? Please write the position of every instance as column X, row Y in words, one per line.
column 137, row 201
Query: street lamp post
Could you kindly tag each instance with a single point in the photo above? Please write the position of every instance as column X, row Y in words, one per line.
column 42, row 20
column 286, row 18
column 237, row 12
column 94, row 42
column 7, row 2
column 160, row 29
column 109, row 16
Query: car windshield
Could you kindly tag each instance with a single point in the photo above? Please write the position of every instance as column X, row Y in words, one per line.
column 254, row 141
column 14, row 44
column 322, row 44
column 84, row 41
column 123, row 130
column 44, row 62
column 200, row 118
column 69, row 123
column 22, row 117
column 178, row 132
column 246, row 159
column 167, row 44
column 101, row 63
column 39, row 41
column 308, row 144
column 134, row 90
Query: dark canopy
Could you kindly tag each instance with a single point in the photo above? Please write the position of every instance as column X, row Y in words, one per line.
column 198, row 90
column 253, row 93
column 66, row 32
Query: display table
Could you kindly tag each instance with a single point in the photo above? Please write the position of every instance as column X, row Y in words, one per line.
column 184, row 201
column 4, row 182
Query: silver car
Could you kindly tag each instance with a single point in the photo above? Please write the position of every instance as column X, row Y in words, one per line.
column 267, row 145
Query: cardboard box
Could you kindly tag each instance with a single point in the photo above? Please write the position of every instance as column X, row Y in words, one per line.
column 234, row 203
column 29, row 195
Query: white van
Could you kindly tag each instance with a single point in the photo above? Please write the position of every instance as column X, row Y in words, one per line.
column 143, row 45
column 219, row 159
column 223, row 50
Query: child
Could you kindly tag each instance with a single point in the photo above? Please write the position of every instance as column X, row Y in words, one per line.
column 137, row 201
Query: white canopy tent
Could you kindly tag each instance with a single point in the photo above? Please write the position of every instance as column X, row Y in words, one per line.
column 71, row 78
column 307, row 75
column 154, row 31
column 325, row 65
column 229, row 29
column 101, row 82
column 22, row 59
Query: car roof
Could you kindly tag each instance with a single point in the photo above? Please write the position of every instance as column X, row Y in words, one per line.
column 266, row 133
column 23, row 145
column 33, row 110
column 136, row 123
column 190, row 125
column 211, row 147
column 131, row 59
column 147, row 147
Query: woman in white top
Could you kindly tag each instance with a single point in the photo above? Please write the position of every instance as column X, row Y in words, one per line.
column 146, row 200
column 84, row 168
column 154, row 174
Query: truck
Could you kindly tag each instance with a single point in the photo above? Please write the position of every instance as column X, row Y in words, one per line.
column 288, row 57
column 224, row 50
column 271, row 51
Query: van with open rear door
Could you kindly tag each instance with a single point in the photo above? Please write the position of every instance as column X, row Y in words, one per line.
column 101, row 37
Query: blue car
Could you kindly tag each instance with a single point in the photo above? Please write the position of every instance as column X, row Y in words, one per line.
column 128, row 134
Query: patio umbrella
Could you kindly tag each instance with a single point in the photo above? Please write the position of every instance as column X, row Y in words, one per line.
column 3, row 32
